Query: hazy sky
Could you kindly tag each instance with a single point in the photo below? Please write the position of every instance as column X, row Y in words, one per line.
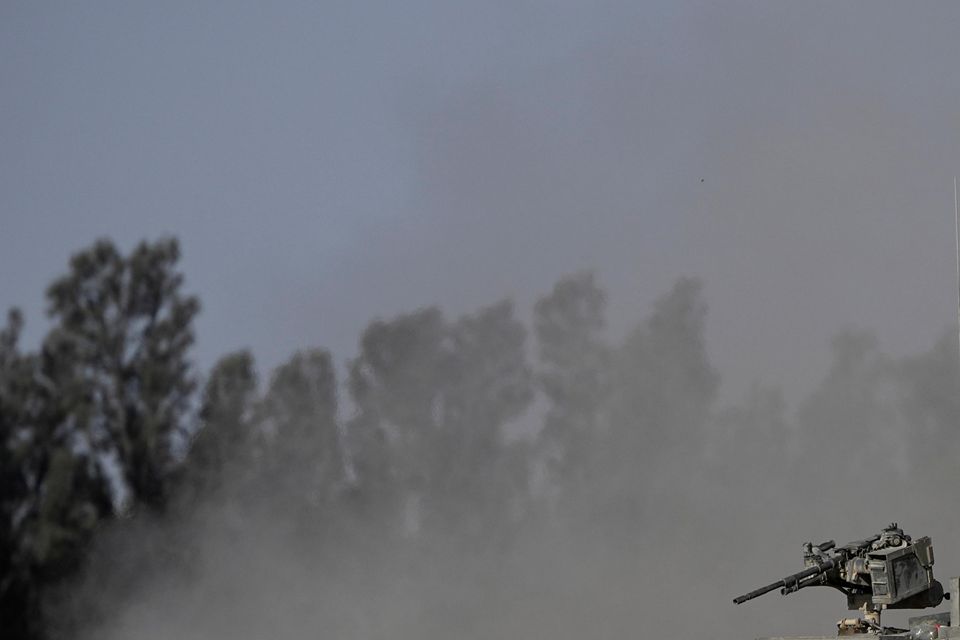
column 323, row 163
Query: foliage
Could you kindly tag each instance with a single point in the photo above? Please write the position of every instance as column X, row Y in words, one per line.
column 107, row 393
column 227, row 442
column 121, row 333
column 304, row 454
column 53, row 493
column 437, row 397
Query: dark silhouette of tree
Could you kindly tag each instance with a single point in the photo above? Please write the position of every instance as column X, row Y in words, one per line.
column 303, row 454
column 17, row 594
column 394, row 384
column 121, row 332
column 225, row 445
column 397, row 374
column 52, row 494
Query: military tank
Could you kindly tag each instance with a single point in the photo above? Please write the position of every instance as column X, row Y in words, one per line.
column 889, row 570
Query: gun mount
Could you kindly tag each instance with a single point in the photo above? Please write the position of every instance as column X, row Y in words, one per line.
column 890, row 570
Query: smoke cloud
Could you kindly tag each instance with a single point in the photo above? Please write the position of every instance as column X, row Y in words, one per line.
column 640, row 507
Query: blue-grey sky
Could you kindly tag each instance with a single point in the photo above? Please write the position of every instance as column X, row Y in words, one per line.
column 326, row 162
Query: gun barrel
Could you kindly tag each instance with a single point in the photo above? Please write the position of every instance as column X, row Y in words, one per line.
column 756, row 593
column 789, row 584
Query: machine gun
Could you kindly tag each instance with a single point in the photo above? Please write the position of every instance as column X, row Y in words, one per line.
column 887, row 571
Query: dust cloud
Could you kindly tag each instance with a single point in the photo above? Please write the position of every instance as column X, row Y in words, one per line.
column 639, row 508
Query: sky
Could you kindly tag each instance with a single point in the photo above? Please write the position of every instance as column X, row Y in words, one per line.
column 324, row 163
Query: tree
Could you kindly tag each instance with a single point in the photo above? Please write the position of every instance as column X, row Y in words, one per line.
column 478, row 482
column 122, row 330
column 394, row 384
column 433, row 400
column 396, row 376
column 574, row 375
column 304, row 453
column 665, row 384
column 16, row 594
column 662, row 393
column 52, row 494
column 223, row 447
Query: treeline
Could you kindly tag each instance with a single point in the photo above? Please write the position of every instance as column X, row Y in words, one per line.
column 107, row 434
